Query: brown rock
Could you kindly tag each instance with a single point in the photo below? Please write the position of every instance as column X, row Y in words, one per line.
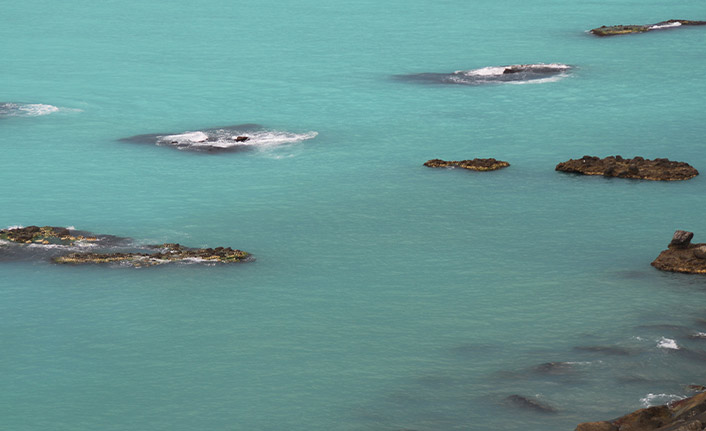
column 597, row 426
column 474, row 165
column 636, row 168
column 681, row 239
column 700, row 252
column 616, row 30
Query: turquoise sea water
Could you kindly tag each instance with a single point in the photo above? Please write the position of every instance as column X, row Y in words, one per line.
column 384, row 295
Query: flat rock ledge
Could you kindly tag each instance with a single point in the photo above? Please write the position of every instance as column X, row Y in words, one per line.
column 682, row 255
column 168, row 253
column 43, row 235
column 105, row 249
column 688, row 414
column 615, row 30
column 474, row 165
column 635, row 168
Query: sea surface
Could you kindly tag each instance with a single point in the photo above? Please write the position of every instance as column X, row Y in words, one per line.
column 384, row 295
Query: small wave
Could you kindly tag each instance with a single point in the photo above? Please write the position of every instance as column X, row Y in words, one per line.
column 26, row 109
column 667, row 343
column 512, row 74
column 658, row 399
column 661, row 26
column 18, row 226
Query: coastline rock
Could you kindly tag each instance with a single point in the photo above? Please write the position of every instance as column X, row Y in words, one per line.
column 45, row 235
column 474, row 165
column 683, row 256
column 615, row 30
column 683, row 415
column 635, row 168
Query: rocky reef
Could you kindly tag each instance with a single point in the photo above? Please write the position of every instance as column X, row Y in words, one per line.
column 682, row 256
column 615, row 30
column 688, row 414
column 68, row 246
column 168, row 253
column 474, row 165
column 635, row 168
column 513, row 73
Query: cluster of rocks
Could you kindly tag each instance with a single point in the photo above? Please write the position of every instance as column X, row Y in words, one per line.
column 688, row 414
column 109, row 253
column 43, row 235
column 474, row 165
column 636, row 168
column 682, row 256
column 615, row 30
column 168, row 253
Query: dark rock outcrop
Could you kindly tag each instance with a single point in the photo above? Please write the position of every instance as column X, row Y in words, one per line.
column 635, row 168
column 513, row 73
column 43, row 235
column 682, row 256
column 474, row 165
column 615, row 30
column 688, row 414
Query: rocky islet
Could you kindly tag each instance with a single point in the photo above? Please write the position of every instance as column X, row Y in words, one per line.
column 473, row 165
column 616, row 30
column 682, row 256
column 659, row 169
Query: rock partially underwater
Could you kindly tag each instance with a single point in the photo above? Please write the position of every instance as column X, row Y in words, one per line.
column 615, row 30
column 512, row 74
column 223, row 139
column 688, row 414
column 69, row 246
column 530, row 403
column 473, row 165
column 12, row 109
column 682, row 256
column 635, row 168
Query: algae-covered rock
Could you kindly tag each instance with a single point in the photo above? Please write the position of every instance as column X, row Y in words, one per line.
column 474, row 165
column 616, row 30
column 635, row 168
column 45, row 234
column 167, row 253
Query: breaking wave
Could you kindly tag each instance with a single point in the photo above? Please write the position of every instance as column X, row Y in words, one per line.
column 667, row 343
column 658, row 399
column 660, row 26
column 512, row 74
column 234, row 138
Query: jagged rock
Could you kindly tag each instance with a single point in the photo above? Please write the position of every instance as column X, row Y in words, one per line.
column 682, row 256
column 681, row 239
column 688, row 414
column 474, row 165
column 615, row 30
column 636, row 168
column 241, row 138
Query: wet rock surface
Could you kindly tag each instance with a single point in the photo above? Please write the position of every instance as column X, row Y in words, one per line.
column 615, row 30
column 474, row 165
column 682, row 256
column 688, row 414
column 69, row 246
column 635, row 168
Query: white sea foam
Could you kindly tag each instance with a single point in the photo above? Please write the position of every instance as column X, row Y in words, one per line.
column 670, row 25
column 500, row 70
column 699, row 335
column 26, row 109
column 659, row 399
column 667, row 343
column 225, row 139
column 19, row 226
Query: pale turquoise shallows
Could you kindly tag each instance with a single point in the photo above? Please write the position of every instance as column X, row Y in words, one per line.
column 385, row 295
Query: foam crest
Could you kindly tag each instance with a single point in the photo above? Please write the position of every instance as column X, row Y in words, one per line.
column 225, row 139
column 650, row 400
column 667, row 343
column 661, row 26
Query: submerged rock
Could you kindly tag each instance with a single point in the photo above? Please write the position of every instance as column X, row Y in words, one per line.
column 514, row 74
column 45, row 235
column 682, row 256
column 529, row 404
column 615, row 30
column 688, row 414
column 635, row 168
column 474, row 165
